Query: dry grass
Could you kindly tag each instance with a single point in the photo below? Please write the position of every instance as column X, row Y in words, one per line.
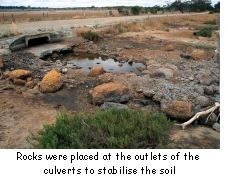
column 30, row 16
column 81, row 30
column 163, row 23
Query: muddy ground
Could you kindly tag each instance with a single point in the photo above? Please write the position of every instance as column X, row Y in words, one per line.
column 181, row 77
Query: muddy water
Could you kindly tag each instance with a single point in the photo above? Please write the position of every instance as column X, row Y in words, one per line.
column 109, row 65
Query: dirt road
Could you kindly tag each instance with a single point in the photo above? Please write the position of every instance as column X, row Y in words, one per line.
column 60, row 25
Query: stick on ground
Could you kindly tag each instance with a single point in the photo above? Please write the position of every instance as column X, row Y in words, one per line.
column 197, row 115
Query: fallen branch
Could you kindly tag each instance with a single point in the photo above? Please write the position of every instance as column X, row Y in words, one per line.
column 197, row 115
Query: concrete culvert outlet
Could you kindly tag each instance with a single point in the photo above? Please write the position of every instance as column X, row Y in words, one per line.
column 37, row 41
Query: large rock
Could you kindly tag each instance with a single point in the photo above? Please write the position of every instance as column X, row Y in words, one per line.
column 162, row 73
column 181, row 110
column 19, row 74
column 96, row 71
column 198, row 55
column 51, row 82
column 110, row 92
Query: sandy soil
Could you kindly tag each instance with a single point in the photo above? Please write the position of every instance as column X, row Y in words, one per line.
column 19, row 116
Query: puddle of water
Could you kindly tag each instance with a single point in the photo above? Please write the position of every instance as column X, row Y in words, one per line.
column 109, row 65
column 75, row 99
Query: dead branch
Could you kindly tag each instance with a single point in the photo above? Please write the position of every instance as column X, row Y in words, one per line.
column 197, row 115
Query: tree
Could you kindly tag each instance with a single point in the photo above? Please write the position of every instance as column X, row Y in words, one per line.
column 177, row 5
column 136, row 10
column 201, row 5
column 217, row 7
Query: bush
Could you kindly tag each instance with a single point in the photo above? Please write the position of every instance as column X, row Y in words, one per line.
column 90, row 35
column 204, row 32
column 106, row 129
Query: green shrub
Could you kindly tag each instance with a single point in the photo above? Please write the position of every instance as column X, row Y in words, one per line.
column 204, row 32
column 90, row 35
column 106, row 129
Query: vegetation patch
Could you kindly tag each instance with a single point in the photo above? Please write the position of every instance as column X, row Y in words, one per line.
column 7, row 34
column 106, row 129
column 204, row 32
column 90, row 35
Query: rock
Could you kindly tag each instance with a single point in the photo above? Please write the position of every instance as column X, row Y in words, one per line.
column 208, row 90
column 158, row 97
column 216, row 127
column 1, row 63
column 148, row 93
column 216, row 89
column 19, row 82
column 34, row 91
column 191, row 78
column 204, row 77
column 181, row 110
column 198, row 55
column 202, row 101
column 169, row 47
column 64, row 70
column 162, row 73
column 6, row 74
column 212, row 119
column 110, row 92
column 199, row 90
column 19, row 74
column 29, row 79
column 96, row 71
column 108, row 105
column 139, row 90
column 51, row 82
column 145, row 72
column 143, row 102
column 185, row 56
column 30, row 84
column 171, row 66
column 130, row 61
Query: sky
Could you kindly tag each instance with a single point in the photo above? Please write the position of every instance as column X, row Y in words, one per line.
column 84, row 3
